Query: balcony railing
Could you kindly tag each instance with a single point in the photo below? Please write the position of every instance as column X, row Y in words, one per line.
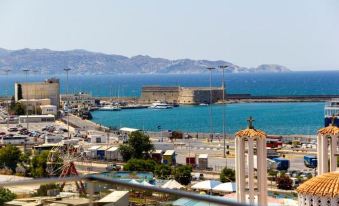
column 92, row 179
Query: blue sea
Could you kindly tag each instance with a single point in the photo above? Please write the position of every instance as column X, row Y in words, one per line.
column 274, row 118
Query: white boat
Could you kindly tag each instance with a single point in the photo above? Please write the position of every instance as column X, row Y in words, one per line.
column 160, row 105
column 109, row 108
column 203, row 104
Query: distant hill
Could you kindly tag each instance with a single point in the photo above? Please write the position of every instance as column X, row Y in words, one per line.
column 85, row 62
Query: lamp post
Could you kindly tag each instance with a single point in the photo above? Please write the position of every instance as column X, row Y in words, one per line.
column 67, row 70
column 210, row 104
column 26, row 73
column 6, row 93
column 223, row 110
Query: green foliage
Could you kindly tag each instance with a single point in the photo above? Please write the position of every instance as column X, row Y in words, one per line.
column 126, row 152
column 6, row 195
column 137, row 147
column 284, row 182
column 163, row 171
column 9, row 157
column 39, row 164
column 227, row 175
column 42, row 191
column 182, row 174
column 140, row 165
column 17, row 109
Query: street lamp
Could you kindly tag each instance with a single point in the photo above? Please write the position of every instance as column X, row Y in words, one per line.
column 6, row 93
column 210, row 103
column 67, row 70
column 223, row 67
column 26, row 72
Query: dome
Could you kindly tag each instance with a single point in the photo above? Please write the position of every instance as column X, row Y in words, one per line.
column 251, row 132
column 326, row 185
column 331, row 130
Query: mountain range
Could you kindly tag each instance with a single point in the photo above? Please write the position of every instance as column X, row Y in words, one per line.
column 86, row 62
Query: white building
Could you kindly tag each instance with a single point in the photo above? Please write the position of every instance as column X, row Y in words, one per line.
column 93, row 151
column 36, row 118
column 113, row 154
column 48, row 109
column 97, row 138
column 78, row 99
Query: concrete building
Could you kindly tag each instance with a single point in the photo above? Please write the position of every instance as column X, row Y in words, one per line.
column 34, row 105
column 180, row 95
column 78, row 99
column 48, row 109
column 48, row 89
column 244, row 141
column 36, row 118
column 327, row 138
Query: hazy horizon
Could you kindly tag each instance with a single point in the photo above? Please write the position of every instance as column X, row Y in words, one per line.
column 301, row 35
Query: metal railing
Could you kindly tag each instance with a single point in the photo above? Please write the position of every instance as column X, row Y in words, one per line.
column 91, row 179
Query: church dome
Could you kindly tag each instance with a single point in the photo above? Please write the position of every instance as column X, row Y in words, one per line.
column 320, row 190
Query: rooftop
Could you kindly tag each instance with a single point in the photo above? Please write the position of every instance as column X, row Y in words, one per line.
column 326, row 185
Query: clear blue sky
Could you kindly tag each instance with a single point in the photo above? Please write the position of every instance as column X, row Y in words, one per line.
column 300, row 34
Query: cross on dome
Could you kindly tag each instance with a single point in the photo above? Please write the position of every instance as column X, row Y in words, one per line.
column 250, row 121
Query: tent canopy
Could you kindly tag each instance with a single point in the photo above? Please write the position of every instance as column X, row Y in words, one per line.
column 172, row 184
column 206, row 185
column 225, row 187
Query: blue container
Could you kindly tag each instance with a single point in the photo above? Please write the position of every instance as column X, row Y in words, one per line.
column 282, row 164
column 310, row 161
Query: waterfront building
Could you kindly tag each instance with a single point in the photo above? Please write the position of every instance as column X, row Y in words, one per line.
column 48, row 89
column 321, row 190
column 244, row 142
column 180, row 95
column 327, row 138
column 36, row 118
column 78, row 99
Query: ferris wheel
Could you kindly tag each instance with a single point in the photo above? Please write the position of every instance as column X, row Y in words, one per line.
column 61, row 162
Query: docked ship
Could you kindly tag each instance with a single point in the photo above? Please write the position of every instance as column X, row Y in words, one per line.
column 160, row 105
column 331, row 109
column 109, row 108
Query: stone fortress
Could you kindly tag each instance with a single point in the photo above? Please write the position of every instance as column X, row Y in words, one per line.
column 180, row 95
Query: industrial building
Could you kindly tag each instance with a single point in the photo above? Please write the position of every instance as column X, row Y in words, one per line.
column 48, row 89
column 180, row 95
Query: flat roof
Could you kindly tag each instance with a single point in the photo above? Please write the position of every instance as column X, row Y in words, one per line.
column 112, row 149
column 43, row 106
column 46, row 115
column 169, row 152
column 203, row 156
column 113, row 197
column 96, row 147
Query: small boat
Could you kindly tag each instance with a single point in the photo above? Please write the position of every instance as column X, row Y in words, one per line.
column 109, row 108
column 203, row 104
column 160, row 105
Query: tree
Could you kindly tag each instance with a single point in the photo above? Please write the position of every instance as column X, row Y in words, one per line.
column 163, row 171
column 39, row 164
column 6, row 195
column 137, row 146
column 126, row 152
column 17, row 109
column 182, row 174
column 140, row 165
column 227, row 175
column 284, row 182
column 9, row 157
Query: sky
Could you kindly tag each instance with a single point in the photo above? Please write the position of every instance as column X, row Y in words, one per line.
column 299, row 34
